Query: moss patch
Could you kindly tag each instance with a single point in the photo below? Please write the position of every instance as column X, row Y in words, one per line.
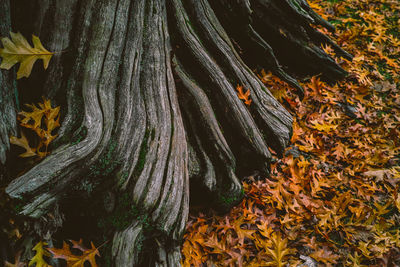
column 124, row 213
column 142, row 154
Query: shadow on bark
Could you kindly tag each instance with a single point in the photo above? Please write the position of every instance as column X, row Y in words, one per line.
column 147, row 90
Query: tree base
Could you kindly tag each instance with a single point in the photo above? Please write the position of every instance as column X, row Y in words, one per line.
column 149, row 105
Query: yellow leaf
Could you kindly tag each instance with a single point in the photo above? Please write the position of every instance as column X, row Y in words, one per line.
column 397, row 202
column 40, row 253
column 42, row 120
column 18, row 50
column 23, row 142
column 35, row 115
column 323, row 127
column 276, row 249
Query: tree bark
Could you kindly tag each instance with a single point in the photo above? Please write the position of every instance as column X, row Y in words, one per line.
column 8, row 122
column 147, row 90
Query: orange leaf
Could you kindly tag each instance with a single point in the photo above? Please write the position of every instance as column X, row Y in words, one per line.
column 244, row 96
column 76, row 260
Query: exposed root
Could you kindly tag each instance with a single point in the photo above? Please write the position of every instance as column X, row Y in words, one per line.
column 123, row 129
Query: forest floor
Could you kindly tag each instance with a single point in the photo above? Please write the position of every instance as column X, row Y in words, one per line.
column 334, row 199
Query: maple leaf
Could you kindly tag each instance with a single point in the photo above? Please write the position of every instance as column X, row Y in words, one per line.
column 76, row 260
column 18, row 50
column 23, row 142
column 244, row 96
column 40, row 253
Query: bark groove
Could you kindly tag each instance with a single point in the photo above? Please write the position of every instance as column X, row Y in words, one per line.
column 150, row 108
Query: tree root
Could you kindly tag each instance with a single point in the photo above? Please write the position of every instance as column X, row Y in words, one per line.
column 144, row 82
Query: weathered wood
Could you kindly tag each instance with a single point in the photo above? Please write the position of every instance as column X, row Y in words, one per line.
column 148, row 97
column 8, row 93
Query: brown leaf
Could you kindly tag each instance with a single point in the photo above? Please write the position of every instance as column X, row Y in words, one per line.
column 76, row 260
column 17, row 263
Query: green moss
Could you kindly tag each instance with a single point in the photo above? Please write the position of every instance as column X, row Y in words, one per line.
column 18, row 208
column 106, row 164
column 79, row 136
column 228, row 200
column 142, row 155
column 124, row 214
column 225, row 202
column 122, row 177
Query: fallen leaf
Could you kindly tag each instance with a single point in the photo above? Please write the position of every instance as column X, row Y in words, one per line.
column 23, row 142
column 244, row 96
column 40, row 253
column 88, row 255
column 17, row 263
column 18, row 50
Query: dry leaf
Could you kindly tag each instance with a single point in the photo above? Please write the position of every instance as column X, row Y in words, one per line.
column 244, row 96
column 18, row 50
column 40, row 253
column 88, row 255
column 17, row 263
column 23, row 142
column 43, row 120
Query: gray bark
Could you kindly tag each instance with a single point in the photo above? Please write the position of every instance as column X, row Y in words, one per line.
column 8, row 93
column 140, row 85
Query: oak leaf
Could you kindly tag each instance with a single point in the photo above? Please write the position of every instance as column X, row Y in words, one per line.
column 276, row 249
column 244, row 96
column 380, row 175
column 325, row 256
column 23, row 142
column 42, row 119
column 73, row 260
column 40, row 253
column 323, row 127
column 18, row 50
column 17, row 263
column 242, row 230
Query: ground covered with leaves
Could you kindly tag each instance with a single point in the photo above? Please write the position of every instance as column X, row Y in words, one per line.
column 333, row 199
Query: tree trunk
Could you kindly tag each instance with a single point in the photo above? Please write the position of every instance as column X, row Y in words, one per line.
column 147, row 90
